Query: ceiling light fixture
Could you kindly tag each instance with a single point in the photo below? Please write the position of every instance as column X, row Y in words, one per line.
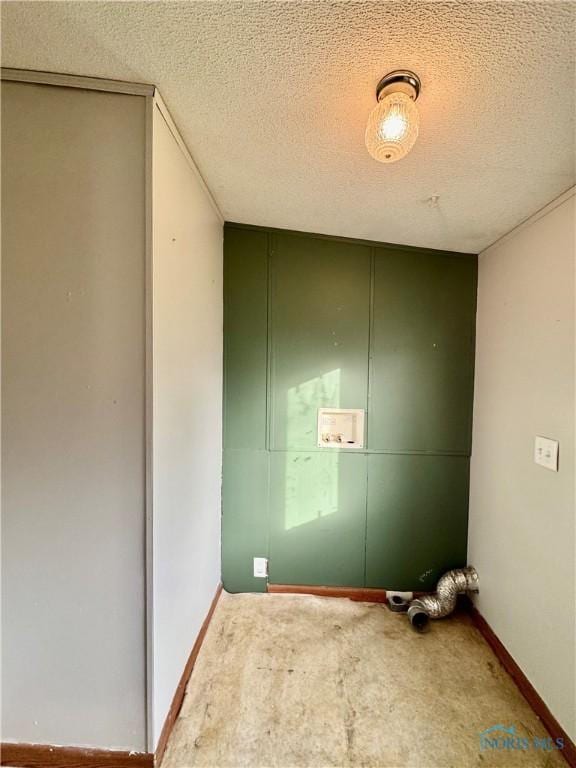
column 393, row 123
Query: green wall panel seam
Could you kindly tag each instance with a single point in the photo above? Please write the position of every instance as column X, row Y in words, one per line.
column 366, row 462
column 370, row 342
column 268, row 506
column 270, row 350
column 269, row 253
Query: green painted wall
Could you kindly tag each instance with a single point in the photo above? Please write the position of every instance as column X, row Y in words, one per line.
column 312, row 321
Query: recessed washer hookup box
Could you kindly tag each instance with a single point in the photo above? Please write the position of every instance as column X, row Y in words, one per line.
column 341, row 428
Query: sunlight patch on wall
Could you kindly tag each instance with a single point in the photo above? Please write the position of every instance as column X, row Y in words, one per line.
column 311, row 481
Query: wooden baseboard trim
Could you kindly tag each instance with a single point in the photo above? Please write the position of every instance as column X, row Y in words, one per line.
column 46, row 756
column 360, row 594
column 524, row 685
column 181, row 688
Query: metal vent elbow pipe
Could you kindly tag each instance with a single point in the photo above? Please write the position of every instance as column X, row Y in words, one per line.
column 437, row 606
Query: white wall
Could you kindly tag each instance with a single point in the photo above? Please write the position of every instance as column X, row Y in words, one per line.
column 187, row 411
column 73, row 578
column 522, row 516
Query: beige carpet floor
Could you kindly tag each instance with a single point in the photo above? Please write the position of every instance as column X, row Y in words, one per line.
column 308, row 682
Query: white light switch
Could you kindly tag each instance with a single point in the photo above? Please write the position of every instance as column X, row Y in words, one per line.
column 546, row 453
column 260, row 567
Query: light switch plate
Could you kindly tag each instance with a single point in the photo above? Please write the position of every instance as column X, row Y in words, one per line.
column 546, row 453
column 260, row 567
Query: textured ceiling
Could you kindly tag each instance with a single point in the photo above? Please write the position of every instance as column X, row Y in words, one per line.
column 272, row 99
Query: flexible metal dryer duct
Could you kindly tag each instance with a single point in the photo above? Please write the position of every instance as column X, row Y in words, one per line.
column 449, row 586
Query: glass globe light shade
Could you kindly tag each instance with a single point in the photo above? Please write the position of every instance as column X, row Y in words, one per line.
column 392, row 128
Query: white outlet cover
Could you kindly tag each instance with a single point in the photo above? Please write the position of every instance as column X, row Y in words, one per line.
column 260, row 567
column 546, row 453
